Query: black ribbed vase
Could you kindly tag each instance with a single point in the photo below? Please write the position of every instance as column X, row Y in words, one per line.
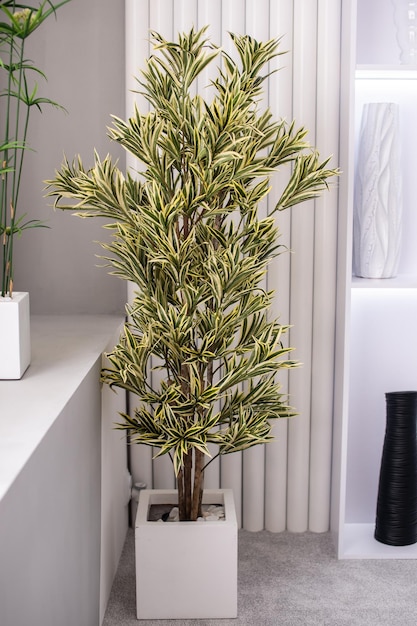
column 396, row 514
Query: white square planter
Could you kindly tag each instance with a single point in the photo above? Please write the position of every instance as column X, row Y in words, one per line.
column 186, row 570
column 14, row 335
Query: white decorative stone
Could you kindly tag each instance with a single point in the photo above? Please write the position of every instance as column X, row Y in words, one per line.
column 216, row 511
column 171, row 582
column 15, row 349
column 378, row 194
column 174, row 514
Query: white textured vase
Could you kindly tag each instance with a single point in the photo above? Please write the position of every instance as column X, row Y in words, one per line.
column 405, row 20
column 378, row 193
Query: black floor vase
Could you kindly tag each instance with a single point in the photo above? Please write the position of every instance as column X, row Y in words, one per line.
column 396, row 514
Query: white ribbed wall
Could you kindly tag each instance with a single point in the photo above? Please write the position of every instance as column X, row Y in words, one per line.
column 286, row 484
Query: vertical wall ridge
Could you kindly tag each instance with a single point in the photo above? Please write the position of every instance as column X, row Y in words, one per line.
column 325, row 237
column 301, row 286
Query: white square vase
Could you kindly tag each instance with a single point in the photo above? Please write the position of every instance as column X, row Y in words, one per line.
column 186, row 570
column 14, row 335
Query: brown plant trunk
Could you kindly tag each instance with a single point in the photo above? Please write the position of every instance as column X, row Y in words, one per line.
column 181, row 499
column 190, row 492
column 185, row 488
column 198, row 485
column 185, row 473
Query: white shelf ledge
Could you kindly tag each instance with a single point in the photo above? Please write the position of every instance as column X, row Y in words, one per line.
column 64, row 349
column 386, row 72
column 359, row 543
column 404, row 281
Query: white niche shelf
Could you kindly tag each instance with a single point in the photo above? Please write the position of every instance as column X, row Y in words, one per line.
column 383, row 348
column 377, row 332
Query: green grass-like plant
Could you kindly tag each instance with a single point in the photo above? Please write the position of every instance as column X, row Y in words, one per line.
column 199, row 350
column 18, row 96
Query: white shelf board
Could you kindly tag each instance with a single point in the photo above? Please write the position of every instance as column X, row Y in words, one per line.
column 386, row 72
column 404, row 281
column 64, row 349
column 359, row 543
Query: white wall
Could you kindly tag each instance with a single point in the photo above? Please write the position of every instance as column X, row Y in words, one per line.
column 82, row 55
column 374, row 17
column 391, row 366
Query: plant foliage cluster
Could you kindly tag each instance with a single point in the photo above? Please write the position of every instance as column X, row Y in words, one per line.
column 199, row 350
column 19, row 95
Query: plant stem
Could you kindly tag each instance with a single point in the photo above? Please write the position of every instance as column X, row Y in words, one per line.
column 18, row 103
column 188, row 467
column 198, row 484
column 3, row 216
column 181, row 499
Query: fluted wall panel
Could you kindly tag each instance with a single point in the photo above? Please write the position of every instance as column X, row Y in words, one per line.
column 286, row 484
column 325, row 263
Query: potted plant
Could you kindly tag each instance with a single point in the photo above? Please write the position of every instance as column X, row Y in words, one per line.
column 199, row 350
column 19, row 95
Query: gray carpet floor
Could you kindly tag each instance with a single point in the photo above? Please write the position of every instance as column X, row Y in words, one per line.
column 290, row 579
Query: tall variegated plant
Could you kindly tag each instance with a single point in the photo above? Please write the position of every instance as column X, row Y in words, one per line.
column 19, row 95
column 199, row 351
